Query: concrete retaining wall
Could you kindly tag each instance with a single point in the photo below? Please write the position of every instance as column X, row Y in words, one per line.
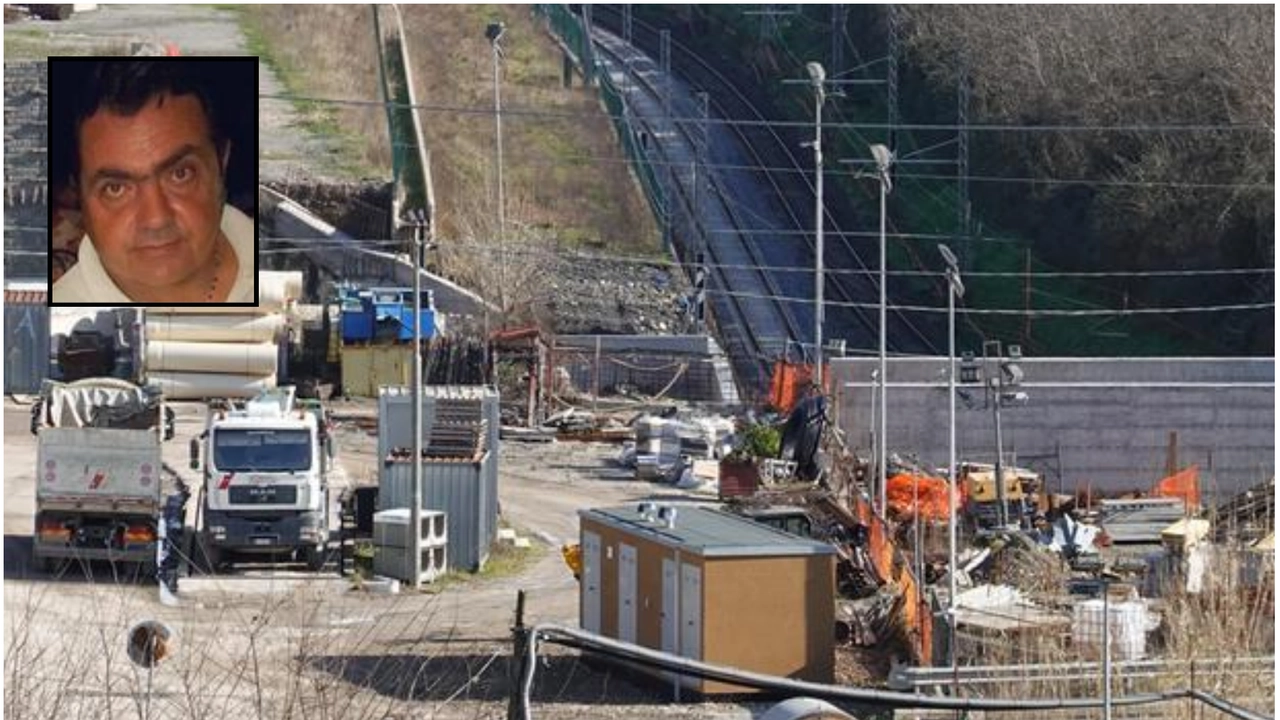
column 1104, row 421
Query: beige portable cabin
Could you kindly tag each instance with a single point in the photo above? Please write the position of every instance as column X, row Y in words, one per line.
column 709, row 585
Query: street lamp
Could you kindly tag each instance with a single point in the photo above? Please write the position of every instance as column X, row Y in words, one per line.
column 494, row 33
column 884, row 160
column 817, row 77
column 955, row 290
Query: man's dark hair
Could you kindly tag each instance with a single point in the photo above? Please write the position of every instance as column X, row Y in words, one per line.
column 125, row 87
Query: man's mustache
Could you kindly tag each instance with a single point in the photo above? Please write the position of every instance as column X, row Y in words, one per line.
column 159, row 236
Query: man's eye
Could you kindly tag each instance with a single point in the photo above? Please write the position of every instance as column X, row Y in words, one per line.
column 183, row 173
column 114, row 190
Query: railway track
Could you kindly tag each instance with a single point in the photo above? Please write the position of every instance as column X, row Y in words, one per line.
column 770, row 158
column 755, row 326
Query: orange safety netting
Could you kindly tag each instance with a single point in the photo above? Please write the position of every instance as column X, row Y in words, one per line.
column 915, row 616
column 904, row 490
column 1184, row 484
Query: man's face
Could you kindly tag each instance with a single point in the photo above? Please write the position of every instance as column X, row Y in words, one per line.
column 151, row 192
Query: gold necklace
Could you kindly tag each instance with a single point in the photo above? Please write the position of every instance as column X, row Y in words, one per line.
column 213, row 284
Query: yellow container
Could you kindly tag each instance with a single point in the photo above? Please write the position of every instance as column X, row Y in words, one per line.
column 365, row 368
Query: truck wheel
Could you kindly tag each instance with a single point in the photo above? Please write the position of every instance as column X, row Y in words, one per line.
column 314, row 557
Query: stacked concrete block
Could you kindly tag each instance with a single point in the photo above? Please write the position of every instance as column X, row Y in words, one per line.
column 392, row 551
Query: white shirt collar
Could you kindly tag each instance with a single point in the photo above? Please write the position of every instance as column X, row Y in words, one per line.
column 88, row 281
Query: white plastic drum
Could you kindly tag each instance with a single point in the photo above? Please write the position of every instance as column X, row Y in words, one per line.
column 213, row 328
column 235, row 358
column 190, row 386
column 278, row 288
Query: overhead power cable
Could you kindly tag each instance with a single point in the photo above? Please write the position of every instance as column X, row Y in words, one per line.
column 831, row 172
column 941, row 127
column 1030, row 312
column 490, row 248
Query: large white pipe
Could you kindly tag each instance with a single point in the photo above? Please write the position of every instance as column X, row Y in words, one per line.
column 213, row 328
column 237, row 358
column 190, row 385
column 277, row 290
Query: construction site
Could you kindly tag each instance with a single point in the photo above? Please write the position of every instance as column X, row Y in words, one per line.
column 550, row 480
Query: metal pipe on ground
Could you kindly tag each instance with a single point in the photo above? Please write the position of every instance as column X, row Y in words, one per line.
column 581, row 639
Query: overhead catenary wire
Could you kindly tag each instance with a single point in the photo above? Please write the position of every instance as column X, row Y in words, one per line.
column 940, row 127
column 672, row 263
column 1027, row 312
column 1024, row 312
column 831, row 172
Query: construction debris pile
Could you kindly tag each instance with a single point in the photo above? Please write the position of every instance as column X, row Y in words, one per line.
column 1036, row 577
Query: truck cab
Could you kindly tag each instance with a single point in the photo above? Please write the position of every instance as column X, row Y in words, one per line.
column 266, row 488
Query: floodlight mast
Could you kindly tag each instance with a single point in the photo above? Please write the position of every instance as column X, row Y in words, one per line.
column 817, row 77
column 884, row 160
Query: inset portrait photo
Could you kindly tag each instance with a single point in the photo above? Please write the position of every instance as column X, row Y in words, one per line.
column 153, row 174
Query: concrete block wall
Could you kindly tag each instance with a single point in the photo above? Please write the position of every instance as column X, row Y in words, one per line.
column 1099, row 421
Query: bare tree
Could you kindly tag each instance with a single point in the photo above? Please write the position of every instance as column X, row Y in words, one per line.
column 1135, row 66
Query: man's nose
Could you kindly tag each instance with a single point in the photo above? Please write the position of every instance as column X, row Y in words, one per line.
column 154, row 210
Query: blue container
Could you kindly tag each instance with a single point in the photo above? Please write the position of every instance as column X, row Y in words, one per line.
column 384, row 314
column 357, row 319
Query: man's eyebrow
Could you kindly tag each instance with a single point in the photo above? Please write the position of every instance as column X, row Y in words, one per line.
column 110, row 173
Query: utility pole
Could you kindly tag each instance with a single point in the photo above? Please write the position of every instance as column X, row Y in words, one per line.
column 1002, row 373
column 1026, row 300
column 955, row 288
column 669, row 195
column 839, row 17
column 963, row 213
column 494, row 33
column 419, row 220
column 701, row 155
column 769, row 24
column 891, row 73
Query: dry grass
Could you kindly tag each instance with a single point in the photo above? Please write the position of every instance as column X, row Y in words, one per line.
column 314, row 652
column 309, row 654
column 1214, row 628
column 566, row 182
column 298, row 42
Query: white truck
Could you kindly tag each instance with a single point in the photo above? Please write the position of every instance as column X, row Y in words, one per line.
column 99, row 472
column 266, row 486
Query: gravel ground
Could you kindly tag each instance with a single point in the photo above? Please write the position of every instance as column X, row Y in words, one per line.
column 303, row 639
column 616, row 298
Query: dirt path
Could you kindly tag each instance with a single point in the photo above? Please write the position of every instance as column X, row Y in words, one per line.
column 260, row 639
column 287, row 151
